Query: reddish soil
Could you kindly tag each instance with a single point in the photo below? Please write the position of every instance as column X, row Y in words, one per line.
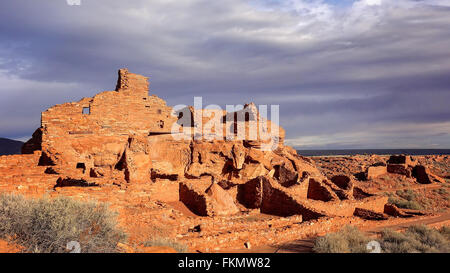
column 6, row 247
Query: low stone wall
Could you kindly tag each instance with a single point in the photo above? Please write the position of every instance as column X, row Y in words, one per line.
column 347, row 207
column 278, row 202
column 19, row 161
column 375, row 171
column 194, row 198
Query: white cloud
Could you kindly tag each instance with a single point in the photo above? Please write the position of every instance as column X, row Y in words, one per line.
column 372, row 2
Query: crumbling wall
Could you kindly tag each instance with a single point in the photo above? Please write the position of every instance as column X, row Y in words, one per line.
column 34, row 144
column 347, row 207
column 20, row 162
column 206, row 199
column 320, row 191
column 376, row 171
column 279, row 202
column 193, row 199
column 74, row 133
column 250, row 194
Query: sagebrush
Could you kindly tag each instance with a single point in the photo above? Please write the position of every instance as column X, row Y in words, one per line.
column 348, row 240
column 165, row 241
column 416, row 239
column 47, row 225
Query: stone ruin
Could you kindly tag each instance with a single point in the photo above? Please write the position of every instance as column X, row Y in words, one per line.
column 403, row 165
column 125, row 137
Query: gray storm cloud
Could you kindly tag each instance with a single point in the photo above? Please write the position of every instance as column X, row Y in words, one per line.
column 372, row 74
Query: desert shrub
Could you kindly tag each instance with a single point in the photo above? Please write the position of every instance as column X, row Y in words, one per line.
column 348, row 240
column 47, row 225
column 405, row 199
column 396, row 242
column 440, row 191
column 409, row 195
column 416, row 239
column 445, row 231
column 164, row 241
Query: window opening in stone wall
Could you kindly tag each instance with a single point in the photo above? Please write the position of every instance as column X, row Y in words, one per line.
column 81, row 166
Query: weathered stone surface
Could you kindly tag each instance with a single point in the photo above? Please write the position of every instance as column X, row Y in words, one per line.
column 318, row 190
column 34, row 144
column 194, row 198
column 342, row 181
column 376, row 171
column 222, row 203
column 424, row 176
column 393, row 210
column 238, row 152
column 250, row 194
column 405, row 160
column 279, row 201
column 347, row 207
column 136, row 160
column 342, row 185
column 399, row 169
column 286, row 174
column 253, row 170
column 206, row 199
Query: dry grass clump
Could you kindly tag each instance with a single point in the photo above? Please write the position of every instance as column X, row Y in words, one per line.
column 165, row 241
column 48, row 225
column 160, row 236
column 416, row 239
column 445, row 231
column 443, row 192
column 405, row 199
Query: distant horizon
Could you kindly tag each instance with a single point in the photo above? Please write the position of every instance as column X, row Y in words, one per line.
column 368, row 149
column 312, row 149
column 340, row 152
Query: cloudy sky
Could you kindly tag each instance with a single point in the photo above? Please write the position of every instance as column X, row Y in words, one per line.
column 346, row 74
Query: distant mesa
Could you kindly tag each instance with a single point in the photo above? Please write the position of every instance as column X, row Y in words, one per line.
column 10, row 147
